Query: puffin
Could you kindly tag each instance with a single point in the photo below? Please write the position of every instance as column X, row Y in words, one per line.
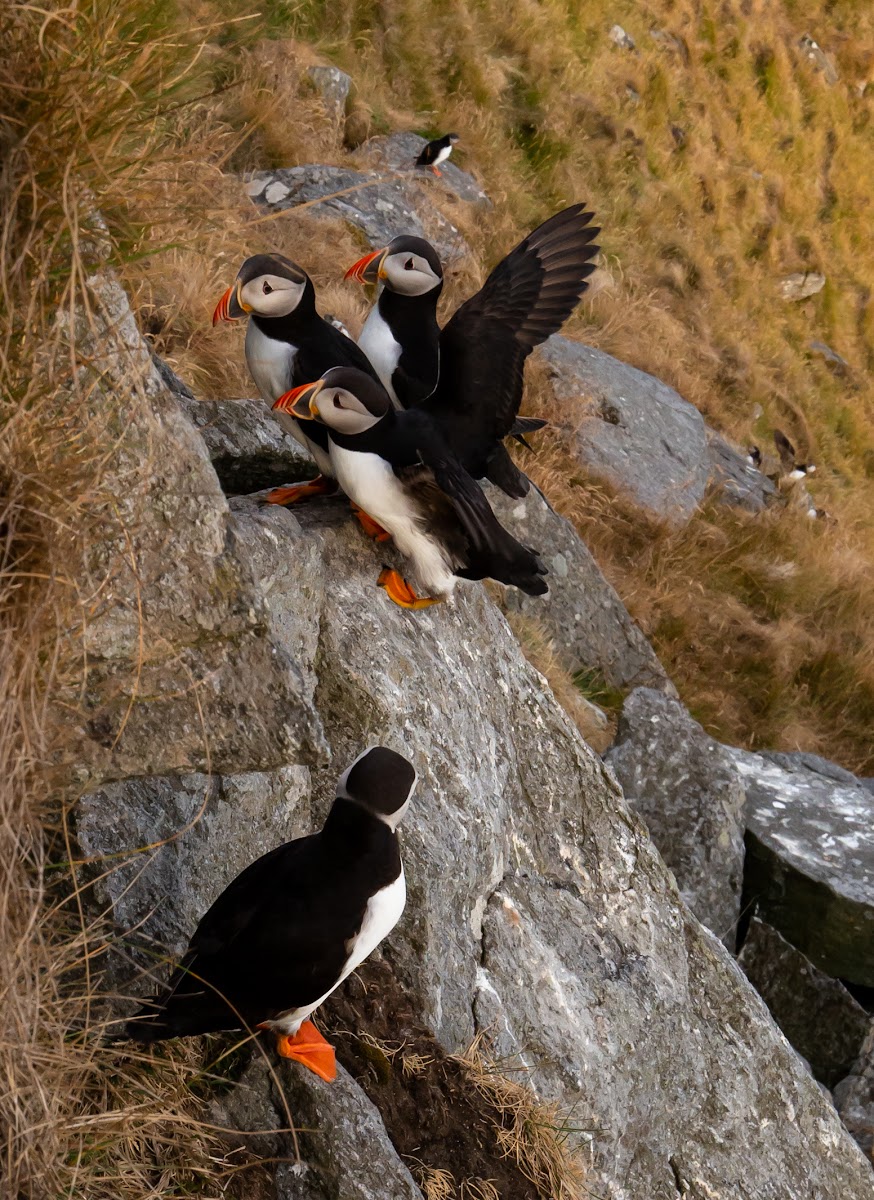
column 290, row 928
column 287, row 342
column 400, row 467
column 437, row 152
column 476, row 363
column 791, row 471
column 754, row 457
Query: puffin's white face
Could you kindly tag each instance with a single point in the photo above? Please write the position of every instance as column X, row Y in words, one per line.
column 272, row 295
column 409, row 274
column 342, row 411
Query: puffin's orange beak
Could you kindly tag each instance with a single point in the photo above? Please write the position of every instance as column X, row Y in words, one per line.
column 231, row 306
column 300, row 401
column 369, row 268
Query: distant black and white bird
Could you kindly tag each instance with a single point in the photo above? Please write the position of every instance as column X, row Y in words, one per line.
column 295, row 923
column 288, row 343
column 472, row 371
column 398, row 465
column 437, row 152
column 754, row 457
column 790, row 469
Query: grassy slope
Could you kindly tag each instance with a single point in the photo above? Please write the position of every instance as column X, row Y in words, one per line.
column 765, row 624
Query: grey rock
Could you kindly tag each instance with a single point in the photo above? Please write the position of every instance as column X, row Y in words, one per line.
column 582, row 613
column 636, row 432
column 854, row 1096
column 810, row 863
column 803, row 760
column 334, row 86
column 734, row 480
column 832, row 359
column 685, row 787
column 801, row 285
column 814, row 54
column 382, row 208
column 620, row 38
column 824, row 1023
column 175, row 625
column 249, row 449
column 399, row 153
column 345, row 1152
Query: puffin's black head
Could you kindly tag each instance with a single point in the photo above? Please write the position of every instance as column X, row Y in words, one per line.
column 344, row 399
column 452, row 138
column 269, row 285
column 407, row 265
column 380, row 781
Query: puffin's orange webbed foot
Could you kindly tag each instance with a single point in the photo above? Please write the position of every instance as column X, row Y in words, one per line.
column 310, row 1048
column 437, row 172
column 372, row 528
column 398, row 590
column 322, row 485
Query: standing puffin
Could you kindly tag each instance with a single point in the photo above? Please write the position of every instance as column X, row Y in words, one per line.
column 473, row 369
column 295, row 923
column 437, row 152
column 791, row 471
column 399, row 466
column 287, row 342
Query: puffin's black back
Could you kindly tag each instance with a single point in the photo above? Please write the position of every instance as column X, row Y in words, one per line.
column 275, row 939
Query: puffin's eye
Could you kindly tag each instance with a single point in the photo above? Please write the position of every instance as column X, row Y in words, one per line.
column 337, row 403
column 408, row 265
column 266, row 289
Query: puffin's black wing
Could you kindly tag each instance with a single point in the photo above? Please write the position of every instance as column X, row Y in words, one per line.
column 331, row 348
column 785, row 449
column 261, row 946
column 429, row 153
column 483, row 348
column 491, row 552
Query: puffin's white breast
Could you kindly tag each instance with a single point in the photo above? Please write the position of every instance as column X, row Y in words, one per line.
column 270, row 363
column 378, row 343
column 442, row 155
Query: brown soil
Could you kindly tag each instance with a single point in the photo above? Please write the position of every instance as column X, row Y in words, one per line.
column 432, row 1112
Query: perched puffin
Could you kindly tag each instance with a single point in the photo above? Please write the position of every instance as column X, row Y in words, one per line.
column 295, row 923
column 754, row 457
column 472, row 370
column 437, row 152
column 398, row 465
column 790, row 469
column 287, row 342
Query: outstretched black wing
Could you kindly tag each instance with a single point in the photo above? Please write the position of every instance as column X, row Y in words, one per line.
column 483, row 348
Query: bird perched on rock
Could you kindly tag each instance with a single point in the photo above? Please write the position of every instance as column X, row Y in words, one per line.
column 287, row 343
column 754, row 457
column 295, row 923
column 436, row 152
column 400, row 467
column 472, row 371
column 790, row 468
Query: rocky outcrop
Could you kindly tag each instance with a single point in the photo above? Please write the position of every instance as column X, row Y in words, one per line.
column 378, row 204
column 175, row 627
column 685, row 787
column 636, row 433
column 582, row 613
column 854, row 1096
column 399, row 153
column 334, row 86
column 810, row 862
column 824, row 1023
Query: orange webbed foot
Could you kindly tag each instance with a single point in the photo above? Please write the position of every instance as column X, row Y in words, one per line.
column 322, row 485
column 372, row 528
column 398, row 590
column 437, row 172
column 309, row 1048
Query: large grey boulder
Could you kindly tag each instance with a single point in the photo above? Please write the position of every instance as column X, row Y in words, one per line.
column 589, row 624
column 174, row 626
column 538, row 908
column 636, row 433
column 381, row 207
column 810, row 863
column 333, row 85
column 684, row 785
column 345, row 1152
column 824, row 1023
column 399, row 152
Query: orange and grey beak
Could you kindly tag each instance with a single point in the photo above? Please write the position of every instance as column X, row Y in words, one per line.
column 231, row 306
column 368, row 269
column 300, row 401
